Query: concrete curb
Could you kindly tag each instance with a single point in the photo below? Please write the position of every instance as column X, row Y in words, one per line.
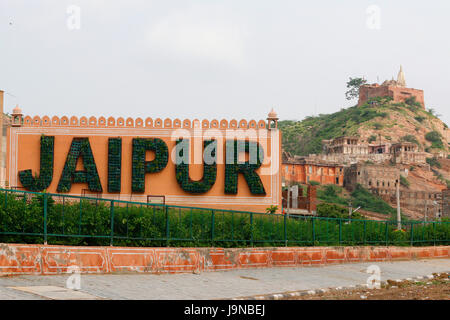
column 285, row 295
column 20, row 259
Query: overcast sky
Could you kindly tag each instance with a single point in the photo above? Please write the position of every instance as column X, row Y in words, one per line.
column 216, row 59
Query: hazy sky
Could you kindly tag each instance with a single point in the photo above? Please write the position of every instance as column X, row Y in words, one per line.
column 216, row 59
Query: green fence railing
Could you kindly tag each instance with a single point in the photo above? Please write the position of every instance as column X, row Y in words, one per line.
column 30, row 217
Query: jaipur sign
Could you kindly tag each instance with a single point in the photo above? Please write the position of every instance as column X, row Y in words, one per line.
column 214, row 164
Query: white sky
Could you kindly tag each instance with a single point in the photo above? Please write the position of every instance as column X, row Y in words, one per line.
column 216, row 59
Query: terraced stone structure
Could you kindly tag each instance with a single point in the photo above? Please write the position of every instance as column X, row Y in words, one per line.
column 446, row 203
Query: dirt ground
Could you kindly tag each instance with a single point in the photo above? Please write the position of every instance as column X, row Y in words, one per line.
column 437, row 288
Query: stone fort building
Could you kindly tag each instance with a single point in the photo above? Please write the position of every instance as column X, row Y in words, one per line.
column 446, row 203
column 382, row 181
column 397, row 90
column 348, row 150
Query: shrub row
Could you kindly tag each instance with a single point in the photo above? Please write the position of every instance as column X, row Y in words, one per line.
column 94, row 222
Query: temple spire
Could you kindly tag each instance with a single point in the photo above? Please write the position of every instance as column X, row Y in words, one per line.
column 401, row 78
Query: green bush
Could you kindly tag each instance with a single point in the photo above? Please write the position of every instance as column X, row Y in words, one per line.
column 413, row 105
column 435, row 138
column 420, row 118
column 89, row 221
column 377, row 125
column 410, row 138
column 335, row 211
column 271, row 209
column 404, row 182
column 332, row 194
column 331, row 211
column 372, row 138
column 364, row 198
column 434, row 162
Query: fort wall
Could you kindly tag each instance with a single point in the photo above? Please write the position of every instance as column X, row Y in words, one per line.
column 398, row 94
column 446, row 203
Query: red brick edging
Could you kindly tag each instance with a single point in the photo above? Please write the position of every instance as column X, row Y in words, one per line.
column 18, row 259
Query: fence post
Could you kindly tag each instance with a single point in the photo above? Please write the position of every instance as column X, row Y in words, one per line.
column 313, row 229
column 190, row 226
column 45, row 218
column 6, row 199
column 387, row 233
column 340, row 231
column 434, row 233
column 251, row 229
column 364, row 232
column 412, row 234
column 167, row 227
column 212, row 227
column 232, row 225
column 285, row 230
column 111, row 243
column 79, row 219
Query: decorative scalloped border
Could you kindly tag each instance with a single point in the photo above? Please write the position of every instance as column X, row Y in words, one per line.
column 101, row 122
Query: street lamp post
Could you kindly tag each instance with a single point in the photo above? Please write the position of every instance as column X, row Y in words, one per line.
column 399, row 216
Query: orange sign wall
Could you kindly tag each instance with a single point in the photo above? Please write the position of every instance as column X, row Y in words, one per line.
column 23, row 153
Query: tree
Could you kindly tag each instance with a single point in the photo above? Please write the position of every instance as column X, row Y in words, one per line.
column 353, row 85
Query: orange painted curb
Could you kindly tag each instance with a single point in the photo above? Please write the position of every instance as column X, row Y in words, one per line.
column 49, row 260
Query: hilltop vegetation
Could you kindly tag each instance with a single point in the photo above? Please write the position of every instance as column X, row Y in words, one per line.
column 360, row 197
column 379, row 118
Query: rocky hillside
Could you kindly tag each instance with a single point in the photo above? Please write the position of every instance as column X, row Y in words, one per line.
column 379, row 119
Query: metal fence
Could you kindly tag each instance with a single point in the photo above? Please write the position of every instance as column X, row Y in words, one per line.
column 30, row 217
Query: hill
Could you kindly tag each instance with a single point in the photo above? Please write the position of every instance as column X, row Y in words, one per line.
column 378, row 119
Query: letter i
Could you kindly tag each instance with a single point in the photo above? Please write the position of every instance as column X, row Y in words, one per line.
column 114, row 164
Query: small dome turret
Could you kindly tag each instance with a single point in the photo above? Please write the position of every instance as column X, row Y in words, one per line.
column 17, row 110
column 272, row 117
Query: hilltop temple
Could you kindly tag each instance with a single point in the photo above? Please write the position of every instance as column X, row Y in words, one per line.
column 397, row 90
